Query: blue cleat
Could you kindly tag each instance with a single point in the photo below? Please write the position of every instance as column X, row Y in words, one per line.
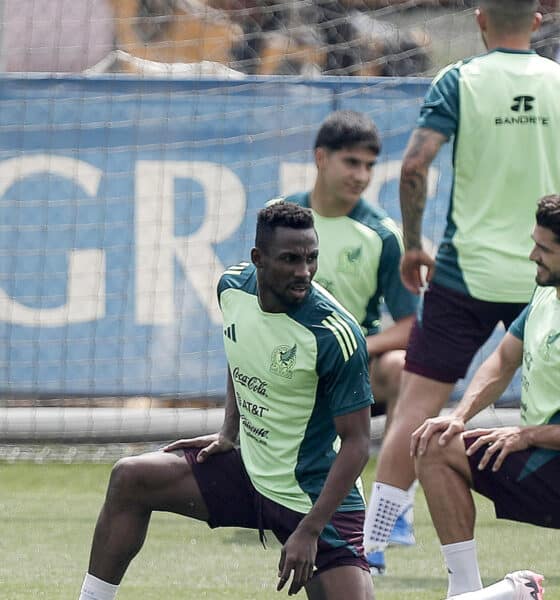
column 376, row 561
column 403, row 531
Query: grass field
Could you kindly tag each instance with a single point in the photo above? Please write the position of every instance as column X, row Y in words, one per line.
column 49, row 511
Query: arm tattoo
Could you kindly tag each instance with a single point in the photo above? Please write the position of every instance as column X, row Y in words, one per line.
column 422, row 148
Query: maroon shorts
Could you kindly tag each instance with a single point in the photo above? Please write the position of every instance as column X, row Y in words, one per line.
column 232, row 501
column 450, row 329
column 526, row 488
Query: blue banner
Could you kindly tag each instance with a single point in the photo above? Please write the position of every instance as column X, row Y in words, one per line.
column 122, row 200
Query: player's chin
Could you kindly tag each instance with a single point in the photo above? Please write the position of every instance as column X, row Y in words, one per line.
column 297, row 294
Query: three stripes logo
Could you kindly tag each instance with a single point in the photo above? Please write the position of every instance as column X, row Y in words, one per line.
column 236, row 269
column 343, row 334
column 229, row 332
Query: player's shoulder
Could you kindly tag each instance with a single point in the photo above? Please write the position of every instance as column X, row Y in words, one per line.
column 241, row 276
column 376, row 219
column 333, row 326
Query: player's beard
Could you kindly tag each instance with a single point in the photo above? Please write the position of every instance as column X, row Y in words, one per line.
column 548, row 278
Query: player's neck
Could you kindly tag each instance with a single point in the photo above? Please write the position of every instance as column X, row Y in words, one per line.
column 507, row 42
column 327, row 205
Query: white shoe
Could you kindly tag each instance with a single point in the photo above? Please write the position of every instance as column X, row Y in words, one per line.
column 528, row 585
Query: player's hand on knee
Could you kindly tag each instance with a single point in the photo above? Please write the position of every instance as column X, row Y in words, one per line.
column 297, row 555
column 447, row 426
column 209, row 444
column 500, row 442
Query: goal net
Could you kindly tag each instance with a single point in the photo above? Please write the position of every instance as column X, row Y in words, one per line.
column 138, row 140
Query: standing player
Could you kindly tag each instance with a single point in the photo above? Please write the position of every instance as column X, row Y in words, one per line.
column 361, row 250
column 516, row 467
column 298, row 396
column 502, row 110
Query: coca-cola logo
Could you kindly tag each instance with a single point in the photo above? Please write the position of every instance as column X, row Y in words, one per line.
column 254, row 384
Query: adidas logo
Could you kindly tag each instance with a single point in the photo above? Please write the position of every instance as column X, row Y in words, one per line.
column 229, row 332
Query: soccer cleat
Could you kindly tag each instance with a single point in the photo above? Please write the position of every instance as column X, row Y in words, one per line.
column 403, row 532
column 376, row 562
column 528, row 585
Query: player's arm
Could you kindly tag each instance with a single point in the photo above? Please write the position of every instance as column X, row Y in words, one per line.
column 486, row 386
column 423, row 146
column 394, row 337
column 222, row 441
column 298, row 554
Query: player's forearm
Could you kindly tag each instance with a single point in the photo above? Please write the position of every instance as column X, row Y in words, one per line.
column 421, row 150
column 347, row 467
column 230, row 426
column 394, row 337
column 486, row 386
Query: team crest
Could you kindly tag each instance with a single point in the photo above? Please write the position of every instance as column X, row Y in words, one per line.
column 283, row 360
column 349, row 259
column 550, row 339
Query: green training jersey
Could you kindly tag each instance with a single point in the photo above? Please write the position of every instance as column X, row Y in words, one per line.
column 538, row 326
column 502, row 110
column 359, row 258
column 293, row 373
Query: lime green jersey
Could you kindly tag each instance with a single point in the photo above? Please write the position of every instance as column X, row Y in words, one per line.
column 538, row 326
column 359, row 258
column 293, row 373
column 502, row 110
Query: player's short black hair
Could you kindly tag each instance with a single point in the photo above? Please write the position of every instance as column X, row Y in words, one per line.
column 281, row 214
column 548, row 214
column 346, row 129
column 511, row 15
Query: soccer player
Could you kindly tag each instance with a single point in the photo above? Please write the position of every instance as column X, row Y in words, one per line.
column 298, row 397
column 361, row 249
column 516, row 467
column 502, row 111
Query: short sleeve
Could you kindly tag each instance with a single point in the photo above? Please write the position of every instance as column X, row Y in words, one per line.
column 517, row 328
column 440, row 110
column 343, row 366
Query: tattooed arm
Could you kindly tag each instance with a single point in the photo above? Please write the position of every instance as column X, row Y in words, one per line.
column 422, row 148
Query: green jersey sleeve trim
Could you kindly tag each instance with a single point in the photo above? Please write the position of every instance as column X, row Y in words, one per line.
column 440, row 110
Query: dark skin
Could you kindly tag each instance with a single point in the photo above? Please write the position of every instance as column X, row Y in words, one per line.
column 163, row 481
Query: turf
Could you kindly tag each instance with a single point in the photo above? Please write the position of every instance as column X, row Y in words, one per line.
column 49, row 512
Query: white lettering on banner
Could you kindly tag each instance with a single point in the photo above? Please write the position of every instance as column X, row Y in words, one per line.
column 157, row 246
column 85, row 294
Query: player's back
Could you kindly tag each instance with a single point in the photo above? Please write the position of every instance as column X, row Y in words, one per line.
column 506, row 156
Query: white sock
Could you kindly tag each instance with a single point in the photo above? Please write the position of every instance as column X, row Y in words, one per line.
column 386, row 504
column 462, row 567
column 503, row 590
column 97, row 589
column 409, row 510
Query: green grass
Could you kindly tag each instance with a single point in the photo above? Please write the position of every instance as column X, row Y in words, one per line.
column 49, row 511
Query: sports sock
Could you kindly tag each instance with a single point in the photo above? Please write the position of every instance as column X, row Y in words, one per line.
column 97, row 589
column 503, row 590
column 462, row 567
column 386, row 504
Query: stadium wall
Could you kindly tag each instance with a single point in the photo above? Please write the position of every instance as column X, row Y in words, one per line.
column 123, row 199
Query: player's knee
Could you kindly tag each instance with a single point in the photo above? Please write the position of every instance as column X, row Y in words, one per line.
column 125, row 477
column 385, row 373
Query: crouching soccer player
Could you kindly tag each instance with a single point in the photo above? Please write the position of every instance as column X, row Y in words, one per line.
column 298, row 397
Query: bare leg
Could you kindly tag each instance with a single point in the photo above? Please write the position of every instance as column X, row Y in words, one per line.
column 341, row 582
column 138, row 486
column 419, row 399
column 445, row 475
column 385, row 376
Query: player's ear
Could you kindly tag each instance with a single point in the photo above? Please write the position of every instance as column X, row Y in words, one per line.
column 537, row 21
column 256, row 257
column 320, row 156
column 480, row 17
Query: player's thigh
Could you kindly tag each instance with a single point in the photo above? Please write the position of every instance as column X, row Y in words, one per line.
column 420, row 398
column 159, row 481
column 341, row 582
column 385, row 371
